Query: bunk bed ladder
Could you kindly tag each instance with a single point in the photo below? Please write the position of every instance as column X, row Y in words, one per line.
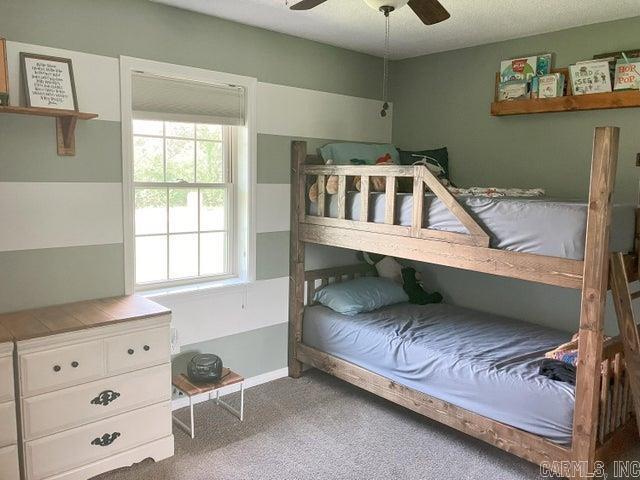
column 622, row 300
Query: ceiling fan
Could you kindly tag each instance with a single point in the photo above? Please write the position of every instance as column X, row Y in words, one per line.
column 429, row 11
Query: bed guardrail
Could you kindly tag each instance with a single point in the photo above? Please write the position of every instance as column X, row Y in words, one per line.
column 422, row 178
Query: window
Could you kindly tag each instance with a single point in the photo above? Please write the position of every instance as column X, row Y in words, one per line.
column 183, row 180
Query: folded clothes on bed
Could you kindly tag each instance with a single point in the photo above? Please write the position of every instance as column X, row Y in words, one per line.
column 558, row 370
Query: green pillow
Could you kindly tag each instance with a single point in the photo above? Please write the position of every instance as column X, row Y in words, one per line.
column 438, row 157
column 344, row 153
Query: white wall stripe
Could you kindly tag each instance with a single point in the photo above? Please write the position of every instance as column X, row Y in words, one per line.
column 97, row 78
column 273, row 207
column 219, row 312
column 52, row 214
column 299, row 112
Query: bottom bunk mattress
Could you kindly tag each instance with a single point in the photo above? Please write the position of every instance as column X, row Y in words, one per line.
column 484, row 363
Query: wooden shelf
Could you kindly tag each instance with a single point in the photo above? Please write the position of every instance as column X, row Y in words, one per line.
column 569, row 103
column 65, row 124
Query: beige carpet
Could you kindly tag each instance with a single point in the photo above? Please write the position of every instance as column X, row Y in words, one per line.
column 317, row 428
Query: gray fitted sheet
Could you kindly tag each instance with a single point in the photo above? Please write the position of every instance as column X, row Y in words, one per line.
column 484, row 363
column 534, row 225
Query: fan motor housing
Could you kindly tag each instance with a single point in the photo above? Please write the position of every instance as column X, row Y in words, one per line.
column 394, row 4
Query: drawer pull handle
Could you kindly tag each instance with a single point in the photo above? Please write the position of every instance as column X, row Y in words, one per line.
column 105, row 440
column 75, row 364
column 131, row 351
column 57, row 368
column 105, row 397
column 146, row 348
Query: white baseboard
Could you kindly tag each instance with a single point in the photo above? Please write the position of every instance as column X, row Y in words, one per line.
column 183, row 401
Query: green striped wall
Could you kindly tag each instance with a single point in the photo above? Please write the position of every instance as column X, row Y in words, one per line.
column 140, row 28
column 252, row 353
column 143, row 29
column 28, row 153
column 32, row 278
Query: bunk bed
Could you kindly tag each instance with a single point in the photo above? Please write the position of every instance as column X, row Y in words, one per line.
column 603, row 419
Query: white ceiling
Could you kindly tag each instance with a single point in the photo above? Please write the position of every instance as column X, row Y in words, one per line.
column 354, row 25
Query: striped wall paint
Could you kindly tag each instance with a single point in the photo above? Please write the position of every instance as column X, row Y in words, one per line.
column 33, row 158
column 31, row 278
column 253, row 353
column 54, row 214
column 65, row 213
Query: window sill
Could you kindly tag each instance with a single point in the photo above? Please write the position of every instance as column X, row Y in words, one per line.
column 215, row 287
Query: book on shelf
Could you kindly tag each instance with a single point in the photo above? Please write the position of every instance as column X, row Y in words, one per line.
column 627, row 76
column 518, row 68
column 514, row 90
column 592, row 76
column 551, row 86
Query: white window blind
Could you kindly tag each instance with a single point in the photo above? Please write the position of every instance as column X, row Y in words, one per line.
column 170, row 99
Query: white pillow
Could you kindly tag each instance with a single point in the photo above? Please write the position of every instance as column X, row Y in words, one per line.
column 389, row 268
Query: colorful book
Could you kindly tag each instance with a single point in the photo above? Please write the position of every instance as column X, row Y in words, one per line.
column 593, row 76
column 551, row 85
column 514, row 90
column 543, row 65
column 627, row 76
column 518, row 69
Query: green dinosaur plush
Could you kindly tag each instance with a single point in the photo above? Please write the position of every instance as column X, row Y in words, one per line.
column 415, row 291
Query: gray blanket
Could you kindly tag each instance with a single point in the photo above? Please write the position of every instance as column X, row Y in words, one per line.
column 543, row 226
column 484, row 363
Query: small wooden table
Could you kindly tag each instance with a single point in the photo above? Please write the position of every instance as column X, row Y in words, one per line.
column 186, row 387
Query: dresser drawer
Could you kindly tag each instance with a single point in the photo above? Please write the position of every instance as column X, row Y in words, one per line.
column 137, row 350
column 8, row 432
column 6, row 378
column 83, row 445
column 93, row 401
column 9, row 463
column 61, row 367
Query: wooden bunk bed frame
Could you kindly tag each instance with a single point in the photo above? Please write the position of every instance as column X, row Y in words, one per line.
column 604, row 421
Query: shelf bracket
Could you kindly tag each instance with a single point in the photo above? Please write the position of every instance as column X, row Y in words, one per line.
column 66, row 135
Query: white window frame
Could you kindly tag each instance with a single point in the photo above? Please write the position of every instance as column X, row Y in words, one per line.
column 229, row 153
column 244, row 170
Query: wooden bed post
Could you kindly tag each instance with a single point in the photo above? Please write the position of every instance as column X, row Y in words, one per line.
column 594, row 292
column 296, row 257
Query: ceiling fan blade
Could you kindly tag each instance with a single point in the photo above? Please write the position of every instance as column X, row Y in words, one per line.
column 429, row 11
column 306, row 4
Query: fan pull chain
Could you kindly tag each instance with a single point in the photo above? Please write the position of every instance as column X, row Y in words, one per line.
column 385, row 73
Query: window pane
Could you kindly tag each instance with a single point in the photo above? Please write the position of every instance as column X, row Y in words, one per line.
column 151, row 210
column 208, row 132
column 147, row 159
column 180, row 160
column 213, row 253
column 147, row 127
column 210, row 162
column 175, row 129
column 212, row 208
column 183, row 210
column 151, row 259
column 183, row 256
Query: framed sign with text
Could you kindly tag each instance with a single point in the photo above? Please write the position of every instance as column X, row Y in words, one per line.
column 48, row 82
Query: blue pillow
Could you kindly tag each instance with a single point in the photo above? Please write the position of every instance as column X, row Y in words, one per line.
column 343, row 153
column 361, row 295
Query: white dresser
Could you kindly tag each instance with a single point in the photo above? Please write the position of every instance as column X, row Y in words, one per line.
column 9, row 468
column 95, row 390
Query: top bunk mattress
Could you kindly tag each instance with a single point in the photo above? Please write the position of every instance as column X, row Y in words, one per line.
column 484, row 363
column 533, row 225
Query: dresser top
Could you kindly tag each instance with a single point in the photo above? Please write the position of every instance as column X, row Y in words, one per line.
column 5, row 336
column 41, row 322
